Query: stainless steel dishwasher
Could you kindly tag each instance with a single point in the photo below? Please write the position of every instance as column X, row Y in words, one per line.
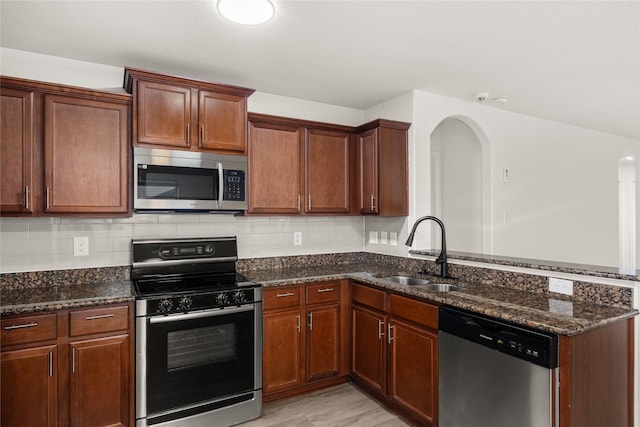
column 495, row 374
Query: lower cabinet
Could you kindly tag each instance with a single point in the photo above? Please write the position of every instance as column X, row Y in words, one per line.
column 394, row 351
column 28, row 387
column 70, row 367
column 304, row 343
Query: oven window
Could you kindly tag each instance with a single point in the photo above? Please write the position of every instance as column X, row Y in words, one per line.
column 201, row 346
column 177, row 183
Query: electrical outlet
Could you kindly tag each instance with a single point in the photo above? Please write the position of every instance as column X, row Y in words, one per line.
column 393, row 238
column 80, row 246
column 560, row 286
column 383, row 237
column 297, row 238
column 373, row 237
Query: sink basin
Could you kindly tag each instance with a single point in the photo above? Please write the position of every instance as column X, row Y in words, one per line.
column 440, row 287
column 406, row 280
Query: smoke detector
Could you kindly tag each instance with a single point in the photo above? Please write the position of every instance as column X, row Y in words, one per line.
column 481, row 96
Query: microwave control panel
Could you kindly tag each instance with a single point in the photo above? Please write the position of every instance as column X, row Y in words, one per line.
column 234, row 185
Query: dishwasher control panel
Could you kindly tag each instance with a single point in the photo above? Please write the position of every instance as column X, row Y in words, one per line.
column 536, row 346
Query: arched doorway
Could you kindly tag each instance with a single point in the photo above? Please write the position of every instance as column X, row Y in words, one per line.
column 457, row 192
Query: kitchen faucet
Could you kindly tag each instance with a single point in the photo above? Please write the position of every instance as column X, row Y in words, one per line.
column 442, row 258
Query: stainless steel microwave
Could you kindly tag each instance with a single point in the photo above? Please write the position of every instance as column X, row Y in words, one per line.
column 183, row 181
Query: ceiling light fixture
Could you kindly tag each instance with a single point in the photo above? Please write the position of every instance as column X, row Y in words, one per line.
column 247, row 12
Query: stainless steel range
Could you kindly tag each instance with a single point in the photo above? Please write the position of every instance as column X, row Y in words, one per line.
column 198, row 334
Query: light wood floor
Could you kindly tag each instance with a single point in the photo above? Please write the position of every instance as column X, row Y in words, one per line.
column 339, row 406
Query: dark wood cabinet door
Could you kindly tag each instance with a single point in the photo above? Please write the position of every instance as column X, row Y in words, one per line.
column 163, row 115
column 413, row 373
column 16, row 151
column 28, row 384
column 86, row 155
column 99, row 384
column 368, row 349
column 368, row 172
column 222, row 122
column 275, row 168
column 327, row 172
column 393, row 172
column 282, row 353
column 323, row 342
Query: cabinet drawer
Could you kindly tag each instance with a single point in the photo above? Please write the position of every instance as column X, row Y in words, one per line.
column 98, row 320
column 323, row 292
column 281, row 298
column 26, row 329
column 368, row 296
column 416, row 311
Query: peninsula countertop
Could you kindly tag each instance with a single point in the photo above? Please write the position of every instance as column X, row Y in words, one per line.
column 545, row 311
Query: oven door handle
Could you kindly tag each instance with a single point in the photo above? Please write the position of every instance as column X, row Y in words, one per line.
column 202, row 314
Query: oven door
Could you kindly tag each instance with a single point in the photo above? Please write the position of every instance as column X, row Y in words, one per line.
column 200, row 358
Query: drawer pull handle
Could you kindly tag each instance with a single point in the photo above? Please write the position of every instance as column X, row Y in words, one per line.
column 101, row 316
column 286, row 294
column 325, row 290
column 25, row 325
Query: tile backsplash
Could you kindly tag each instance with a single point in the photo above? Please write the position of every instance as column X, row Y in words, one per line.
column 32, row 244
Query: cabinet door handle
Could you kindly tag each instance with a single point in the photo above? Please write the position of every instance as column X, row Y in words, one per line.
column 309, row 202
column 298, row 325
column 24, row 325
column 286, row 294
column 310, row 321
column 380, row 329
column 201, row 135
column 51, row 363
column 389, row 337
column 188, row 133
column 324, row 290
column 373, row 205
column 26, row 197
column 101, row 316
column 48, row 205
column 73, row 360
column 298, row 203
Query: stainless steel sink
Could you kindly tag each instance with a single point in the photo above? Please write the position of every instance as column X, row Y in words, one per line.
column 407, row 280
column 440, row 287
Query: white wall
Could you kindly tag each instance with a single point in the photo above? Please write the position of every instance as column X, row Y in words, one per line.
column 561, row 197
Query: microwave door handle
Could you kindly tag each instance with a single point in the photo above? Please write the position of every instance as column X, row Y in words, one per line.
column 220, row 185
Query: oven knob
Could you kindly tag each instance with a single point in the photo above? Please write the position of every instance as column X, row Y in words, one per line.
column 222, row 299
column 208, row 249
column 165, row 305
column 239, row 297
column 185, row 303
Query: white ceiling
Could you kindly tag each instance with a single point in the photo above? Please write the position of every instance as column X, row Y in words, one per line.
column 571, row 61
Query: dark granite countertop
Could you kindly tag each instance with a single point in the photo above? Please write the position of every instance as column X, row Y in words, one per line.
column 56, row 297
column 549, row 312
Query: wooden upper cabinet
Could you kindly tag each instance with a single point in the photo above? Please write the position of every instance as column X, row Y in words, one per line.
column 164, row 115
column 64, row 150
column 186, row 114
column 383, row 166
column 368, row 167
column 16, row 151
column 298, row 166
column 327, row 171
column 275, row 168
column 223, row 122
column 85, row 155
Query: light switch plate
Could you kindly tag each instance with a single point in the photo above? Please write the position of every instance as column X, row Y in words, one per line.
column 383, row 237
column 373, row 237
column 297, row 238
column 393, row 238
